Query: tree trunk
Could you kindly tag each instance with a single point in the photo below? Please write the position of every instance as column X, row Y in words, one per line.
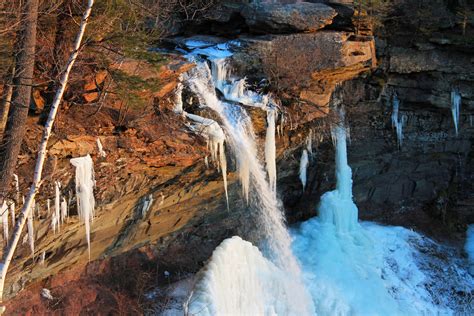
column 10, row 250
column 62, row 47
column 5, row 102
column 22, row 82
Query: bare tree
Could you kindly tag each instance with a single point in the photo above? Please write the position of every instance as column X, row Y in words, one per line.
column 42, row 152
column 22, row 82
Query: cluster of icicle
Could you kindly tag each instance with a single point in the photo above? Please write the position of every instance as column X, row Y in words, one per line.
column 85, row 184
column 398, row 122
column 212, row 132
column 456, row 108
column 9, row 207
column 61, row 208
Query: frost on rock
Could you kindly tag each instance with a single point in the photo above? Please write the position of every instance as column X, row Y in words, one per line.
column 100, row 148
column 4, row 217
column 85, row 184
column 398, row 122
column 304, row 162
column 215, row 137
column 270, row 149
column 456, row 108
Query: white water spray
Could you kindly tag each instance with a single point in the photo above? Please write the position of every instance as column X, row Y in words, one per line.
column 85, row 184
column 456, row 108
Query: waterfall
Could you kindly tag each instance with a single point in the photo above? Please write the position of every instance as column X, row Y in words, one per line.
column 456, row 108
column 85, row 184
column 256, row 190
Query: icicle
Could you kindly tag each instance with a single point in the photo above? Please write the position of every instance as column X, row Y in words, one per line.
column 456, row 108
column 162, row 200
column 215, row 136
column 64, row 210
column 57, row 207
column 31, row 232
column 17, row 188
column 206, row 162
column 4, row 216
column 43, row 257
column 48, row 206
column 309, row 143
column 270, row 149
column 12, row 212
column 100, row 148
column 85, row 192
column 178, row 99
column 147, row 202
column 397, row 122
column 304, row 162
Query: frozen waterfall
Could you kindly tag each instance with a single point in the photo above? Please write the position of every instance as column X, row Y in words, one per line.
column 456, row 108
column 304, row 162
column 398, row 122
column 257, row 191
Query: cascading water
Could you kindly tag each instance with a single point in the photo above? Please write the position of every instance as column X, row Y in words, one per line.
column 258, row 191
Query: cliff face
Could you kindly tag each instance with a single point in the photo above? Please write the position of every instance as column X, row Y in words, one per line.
column 426, row 184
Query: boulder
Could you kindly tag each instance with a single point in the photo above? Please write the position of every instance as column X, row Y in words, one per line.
column 286, row 18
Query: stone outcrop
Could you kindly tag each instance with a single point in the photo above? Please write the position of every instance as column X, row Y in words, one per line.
column 286, row 18
column 307, row 65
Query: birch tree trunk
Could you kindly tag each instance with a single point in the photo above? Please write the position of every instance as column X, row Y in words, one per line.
column 42, row 152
